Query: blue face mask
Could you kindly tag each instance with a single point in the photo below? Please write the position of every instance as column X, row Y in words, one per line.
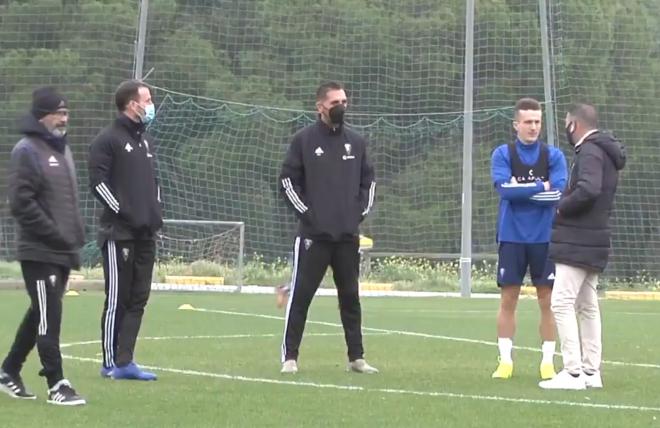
column 149, row 114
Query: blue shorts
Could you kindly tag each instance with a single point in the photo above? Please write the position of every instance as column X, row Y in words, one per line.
column 514, row 258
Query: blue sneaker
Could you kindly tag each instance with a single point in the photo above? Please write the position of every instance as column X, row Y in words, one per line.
column 132, row 372
column 106, row 372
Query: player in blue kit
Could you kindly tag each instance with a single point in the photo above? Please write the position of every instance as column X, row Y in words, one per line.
column 529, row 176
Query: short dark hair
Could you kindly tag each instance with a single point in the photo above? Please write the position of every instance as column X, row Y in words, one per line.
column 127, row 91
column 585, row 113
column 526, row 104
column 326, row 87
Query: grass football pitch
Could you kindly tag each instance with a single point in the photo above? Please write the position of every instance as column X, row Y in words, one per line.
column 218, row 365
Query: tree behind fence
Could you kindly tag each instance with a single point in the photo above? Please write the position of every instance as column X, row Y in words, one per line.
column 235, row 79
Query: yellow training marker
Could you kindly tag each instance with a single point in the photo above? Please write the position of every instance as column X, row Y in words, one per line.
column 186, row 307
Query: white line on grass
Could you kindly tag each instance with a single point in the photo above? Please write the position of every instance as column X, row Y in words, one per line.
column 386, row 390
column 439, row 311
column 226, row 336
column 414, row 334
column 632, row 313
column 489, row 311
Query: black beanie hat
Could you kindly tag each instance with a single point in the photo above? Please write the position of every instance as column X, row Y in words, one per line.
column 46, row 100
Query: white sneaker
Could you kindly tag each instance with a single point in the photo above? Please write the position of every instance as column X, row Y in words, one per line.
column 361, row 366
column 593, row 380
column 289, row 367
column 564, row 380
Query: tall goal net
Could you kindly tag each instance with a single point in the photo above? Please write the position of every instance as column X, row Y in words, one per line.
column 235, row 79
column 218, row 159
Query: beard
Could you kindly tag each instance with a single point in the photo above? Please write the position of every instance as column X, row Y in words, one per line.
column 59, row 132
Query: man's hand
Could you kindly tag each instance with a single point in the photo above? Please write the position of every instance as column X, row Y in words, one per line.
column 546, row 186
column 282, row 295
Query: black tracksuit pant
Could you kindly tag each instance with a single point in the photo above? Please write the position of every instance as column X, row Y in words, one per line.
column 45, row 284
column 311, row 260
column 127, row 267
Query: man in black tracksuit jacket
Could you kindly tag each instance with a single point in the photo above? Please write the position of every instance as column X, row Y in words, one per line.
column 328, row 181
column 123, row 178
column 580, row 247
column 43, row 196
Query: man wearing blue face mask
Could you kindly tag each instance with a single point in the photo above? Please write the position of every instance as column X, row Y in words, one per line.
column 122, row 177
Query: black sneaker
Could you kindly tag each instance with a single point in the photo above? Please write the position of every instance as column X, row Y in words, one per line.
column 63, row 394
column 14, row 387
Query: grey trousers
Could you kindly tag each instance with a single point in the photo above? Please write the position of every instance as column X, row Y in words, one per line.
column 577, row 314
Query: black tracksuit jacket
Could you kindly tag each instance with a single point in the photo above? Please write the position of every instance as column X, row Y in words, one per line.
column 328, row 181
column 122, row 175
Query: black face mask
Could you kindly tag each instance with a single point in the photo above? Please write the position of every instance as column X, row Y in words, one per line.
column 336, row 114
column 570, row 129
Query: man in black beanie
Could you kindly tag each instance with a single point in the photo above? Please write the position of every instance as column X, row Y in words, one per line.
column 43, row 196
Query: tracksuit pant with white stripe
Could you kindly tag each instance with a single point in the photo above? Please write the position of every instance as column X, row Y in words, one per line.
column 127, row 267
column 311, row 260
column 45, row 284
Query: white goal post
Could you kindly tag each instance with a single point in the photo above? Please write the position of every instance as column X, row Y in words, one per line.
column 216, row 241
